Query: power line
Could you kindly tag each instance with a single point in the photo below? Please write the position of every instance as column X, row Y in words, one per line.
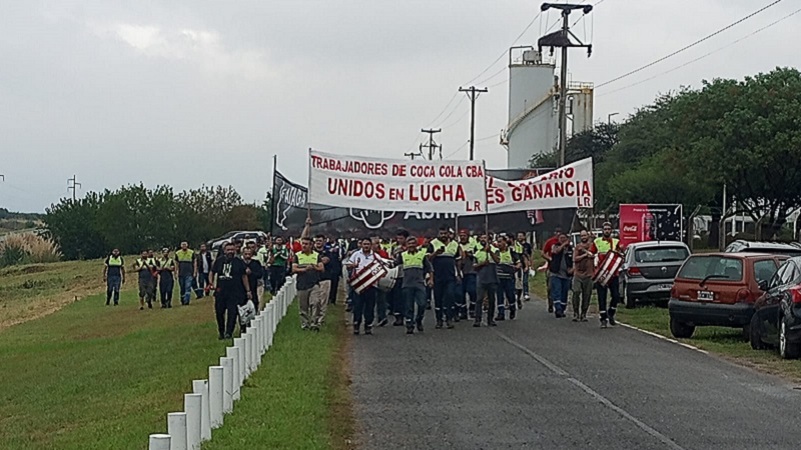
column 707, row 37
column 755, row 32
column 457, row 150
column 455, row 108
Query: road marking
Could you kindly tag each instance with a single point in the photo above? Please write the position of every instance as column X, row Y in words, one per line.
column 664, row 338
column 605, row 401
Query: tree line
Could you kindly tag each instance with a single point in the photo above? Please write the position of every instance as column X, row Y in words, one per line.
column 686, row 145
column 134, row 217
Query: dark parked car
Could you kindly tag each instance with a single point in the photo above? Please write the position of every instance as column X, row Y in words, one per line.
column 649, row 268
column 777, row 319
column 774, row 248
column 719, row 289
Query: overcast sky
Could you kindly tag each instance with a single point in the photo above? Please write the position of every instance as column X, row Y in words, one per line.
column 190, row 92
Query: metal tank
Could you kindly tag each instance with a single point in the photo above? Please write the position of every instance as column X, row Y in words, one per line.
column 533, row 119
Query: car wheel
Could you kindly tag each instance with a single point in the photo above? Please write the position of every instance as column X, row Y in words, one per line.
column 681, row 330
column 787, row 350
column 755, row 335
column 628, row 299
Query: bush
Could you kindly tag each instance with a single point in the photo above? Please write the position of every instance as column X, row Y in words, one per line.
column 27, row 248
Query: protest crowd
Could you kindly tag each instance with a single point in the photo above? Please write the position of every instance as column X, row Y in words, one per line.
column 461, row 276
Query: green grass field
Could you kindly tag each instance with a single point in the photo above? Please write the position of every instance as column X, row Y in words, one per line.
column 725, row 342
column 95, row 377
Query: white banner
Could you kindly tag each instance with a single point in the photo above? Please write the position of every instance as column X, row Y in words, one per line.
column 397, row 185
column 567, row 187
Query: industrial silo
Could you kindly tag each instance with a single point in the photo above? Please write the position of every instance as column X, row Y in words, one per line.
column 533, row 119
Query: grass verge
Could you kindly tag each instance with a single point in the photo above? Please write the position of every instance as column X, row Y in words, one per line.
column 299, row 397
column 725, row 342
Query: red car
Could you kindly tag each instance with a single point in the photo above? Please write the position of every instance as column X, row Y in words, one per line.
column 719, row 289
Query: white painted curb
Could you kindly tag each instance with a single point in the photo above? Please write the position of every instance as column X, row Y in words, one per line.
column 212, row 399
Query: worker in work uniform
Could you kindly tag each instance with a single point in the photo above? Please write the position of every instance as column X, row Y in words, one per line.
column 113, row 276
column 187, row 271
column 397, row 297
column 487, row 280
column 416, row 274
column 508, row 265
column 443, row 253
column 601, row 247
column 467, row 295
column 166, row 268
column 523, row 248
column 146, row 266
column 308, row 265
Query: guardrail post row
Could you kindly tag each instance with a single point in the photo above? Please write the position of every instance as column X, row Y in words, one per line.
column 176, row 428
column 228, row 384
column 216, row 396
column 193, row 407
column 159, row 442
column 202, row 387
column 233, row 353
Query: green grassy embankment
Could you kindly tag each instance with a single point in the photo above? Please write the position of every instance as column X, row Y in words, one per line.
column 90, row 376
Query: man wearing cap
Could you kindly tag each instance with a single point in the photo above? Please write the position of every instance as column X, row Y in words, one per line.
column 113, row 276
column 187, row 271
column 443, row 253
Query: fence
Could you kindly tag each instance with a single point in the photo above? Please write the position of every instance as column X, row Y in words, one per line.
column 205, row 408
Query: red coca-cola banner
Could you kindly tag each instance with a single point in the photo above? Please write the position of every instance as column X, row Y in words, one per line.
column 641, row 222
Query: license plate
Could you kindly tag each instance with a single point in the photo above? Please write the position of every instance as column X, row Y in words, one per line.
column 706, row 296
column 665, row 287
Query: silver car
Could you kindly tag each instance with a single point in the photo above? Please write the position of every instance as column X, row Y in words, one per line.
column 649, row 268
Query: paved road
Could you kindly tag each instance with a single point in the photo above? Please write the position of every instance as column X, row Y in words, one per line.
column 539, row 382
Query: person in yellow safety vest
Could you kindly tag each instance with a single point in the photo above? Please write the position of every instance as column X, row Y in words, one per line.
column 146, row 267
column 486, row 261
column 187, row 271
column 443, row 253
column 601, row 247
column 113, row 276
column 416, row 275
column 466, row 296
column 166, row 268
column 308, row 265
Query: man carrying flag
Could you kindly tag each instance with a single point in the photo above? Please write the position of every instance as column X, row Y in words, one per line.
column 603, row 247
column 367, row 270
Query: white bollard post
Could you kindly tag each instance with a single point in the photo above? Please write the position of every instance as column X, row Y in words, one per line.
column 159, row 442
column 240, row 344
column 202, row 387
column 252, row 338
column 246, row 347
column 268, row 326
column 256, row 342
column 176, row 428
column 263, row 335
column 193, row 407
column 233, row 353
column 228, row 384
column 216, row 396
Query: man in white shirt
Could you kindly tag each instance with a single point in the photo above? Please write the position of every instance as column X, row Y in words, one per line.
column 364, row 303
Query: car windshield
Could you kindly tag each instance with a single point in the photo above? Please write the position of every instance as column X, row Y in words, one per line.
column 660, row 254
column 718, row 267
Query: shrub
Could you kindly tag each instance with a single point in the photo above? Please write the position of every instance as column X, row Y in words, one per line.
column 26, row 248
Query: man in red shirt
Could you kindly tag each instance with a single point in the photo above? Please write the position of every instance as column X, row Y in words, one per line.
column 546, row 253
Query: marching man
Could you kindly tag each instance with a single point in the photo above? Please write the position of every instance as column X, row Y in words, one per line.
column 602, row 247
column 416, row 275
column 364, row 302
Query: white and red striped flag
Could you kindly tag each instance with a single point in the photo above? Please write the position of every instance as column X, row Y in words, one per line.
column 368, row 276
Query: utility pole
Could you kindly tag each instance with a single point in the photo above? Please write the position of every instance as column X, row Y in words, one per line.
column 73, row 185
column 411, row 155
column 561, row 39
column 431, row 146
column 472, row 94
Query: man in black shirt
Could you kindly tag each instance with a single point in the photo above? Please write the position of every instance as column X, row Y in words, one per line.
column 327, row 276
column 443, row 253
column 231, row 288
column 255, row 272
